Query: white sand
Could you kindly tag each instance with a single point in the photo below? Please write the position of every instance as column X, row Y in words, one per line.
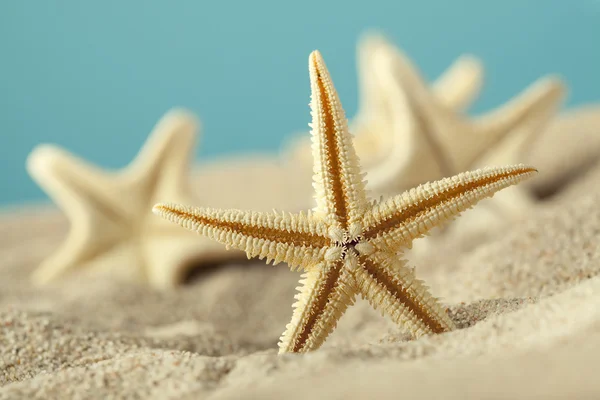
column 527, row 303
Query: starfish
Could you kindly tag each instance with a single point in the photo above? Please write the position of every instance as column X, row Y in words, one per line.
column 347, row 246
column 430, row 140
column 111, row 227
column 455, row 88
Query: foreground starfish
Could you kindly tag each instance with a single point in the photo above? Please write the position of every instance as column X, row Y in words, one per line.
column 110, row 229
column 347, row 246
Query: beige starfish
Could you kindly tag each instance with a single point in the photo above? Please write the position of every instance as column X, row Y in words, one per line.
column 348, row 246
column 378, row 115
column 375, row 119
column 112, row 229
column 430, row 140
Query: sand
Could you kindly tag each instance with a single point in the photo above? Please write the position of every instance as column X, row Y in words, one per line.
column 526, row 301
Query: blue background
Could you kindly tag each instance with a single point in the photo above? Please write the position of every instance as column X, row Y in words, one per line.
column 94, row 77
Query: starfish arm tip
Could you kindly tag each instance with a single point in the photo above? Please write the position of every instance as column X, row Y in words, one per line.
column 159, row 208
column 168, row 212
column 315, row 55
column 524, row 168
column 42, row 158
column 554, row 83
column 181, row 113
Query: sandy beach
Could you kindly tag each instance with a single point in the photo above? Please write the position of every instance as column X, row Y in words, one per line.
column 526, row 301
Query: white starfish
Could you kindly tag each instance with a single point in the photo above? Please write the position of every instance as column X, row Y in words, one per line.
column 379, row 114
column 429, row 140
column 112, row 229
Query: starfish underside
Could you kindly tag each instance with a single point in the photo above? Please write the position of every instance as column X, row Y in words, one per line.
column 347, row 246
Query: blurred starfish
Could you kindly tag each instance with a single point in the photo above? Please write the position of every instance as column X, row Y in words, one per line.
column 375, row 120
column 429, row 140
column 348, row 246
column 112, row 229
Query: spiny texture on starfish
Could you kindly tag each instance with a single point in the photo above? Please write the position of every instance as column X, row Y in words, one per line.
column 112, row 229
column 373, row 123
column 347, row 245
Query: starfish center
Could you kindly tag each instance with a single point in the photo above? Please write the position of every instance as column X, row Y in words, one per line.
column 351, row 244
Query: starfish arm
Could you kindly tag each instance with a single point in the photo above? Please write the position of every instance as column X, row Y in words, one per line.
column 82, row 192
column 523, row 118
column 388, row 285
column 399, row 142
column 167, row 153
column 460, row 84
column 73, row 183
column 297, row 239
column 372, row 95
column 407, row 76
column 70, row 255
column 454, row 90
column 418, row 129
column 326, row 292
column 338, row 183
column 401, row 219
